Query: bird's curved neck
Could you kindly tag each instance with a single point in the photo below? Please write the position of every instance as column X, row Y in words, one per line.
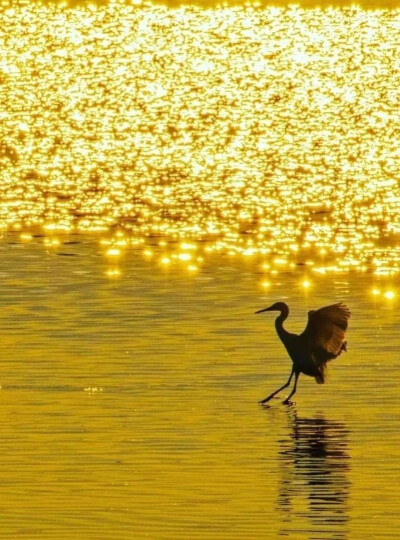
column 281, row 318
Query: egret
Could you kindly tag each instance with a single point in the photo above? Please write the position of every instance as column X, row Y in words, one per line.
column 321, row 341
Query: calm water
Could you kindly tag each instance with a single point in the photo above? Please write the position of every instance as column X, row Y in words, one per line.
column 129, row 405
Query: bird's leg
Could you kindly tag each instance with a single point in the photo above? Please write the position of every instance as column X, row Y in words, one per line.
column 279, row 389
column 296, row 377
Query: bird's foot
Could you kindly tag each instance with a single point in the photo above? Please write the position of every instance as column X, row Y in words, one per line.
column 288, row 402
column 264, row 401
column 264, row 404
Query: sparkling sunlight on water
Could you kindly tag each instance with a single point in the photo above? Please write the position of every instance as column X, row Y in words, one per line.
column 269, row 131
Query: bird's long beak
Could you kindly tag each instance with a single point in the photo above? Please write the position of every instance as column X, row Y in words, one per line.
column 261, row 310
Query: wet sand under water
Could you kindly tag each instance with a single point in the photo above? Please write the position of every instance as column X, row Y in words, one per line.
column 129, row 405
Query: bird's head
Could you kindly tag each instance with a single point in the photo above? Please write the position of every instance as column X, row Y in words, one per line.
column 278, row 306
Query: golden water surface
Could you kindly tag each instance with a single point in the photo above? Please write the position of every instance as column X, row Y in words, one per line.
column 267, row 130
column 163, row 174
column 129, row 406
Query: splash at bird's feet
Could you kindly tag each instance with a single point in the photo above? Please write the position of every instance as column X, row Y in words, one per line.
column 288, row 402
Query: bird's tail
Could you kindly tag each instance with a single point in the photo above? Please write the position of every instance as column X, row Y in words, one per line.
column 321, row 374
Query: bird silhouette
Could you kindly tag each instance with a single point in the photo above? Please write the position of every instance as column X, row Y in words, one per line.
column 321, row 341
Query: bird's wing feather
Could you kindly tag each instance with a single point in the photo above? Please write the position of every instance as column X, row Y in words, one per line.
column 326, row 330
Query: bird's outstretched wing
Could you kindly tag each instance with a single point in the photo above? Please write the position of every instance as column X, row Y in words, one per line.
column 326, row 330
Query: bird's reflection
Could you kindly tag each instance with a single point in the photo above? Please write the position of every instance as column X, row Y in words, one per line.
column 314, row 488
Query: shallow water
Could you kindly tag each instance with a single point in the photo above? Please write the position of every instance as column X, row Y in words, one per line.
column 129, row 405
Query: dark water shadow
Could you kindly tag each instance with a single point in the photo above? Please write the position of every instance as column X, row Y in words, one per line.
column 315, row 486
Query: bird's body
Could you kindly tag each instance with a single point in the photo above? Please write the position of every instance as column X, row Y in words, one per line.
column 321, row 341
